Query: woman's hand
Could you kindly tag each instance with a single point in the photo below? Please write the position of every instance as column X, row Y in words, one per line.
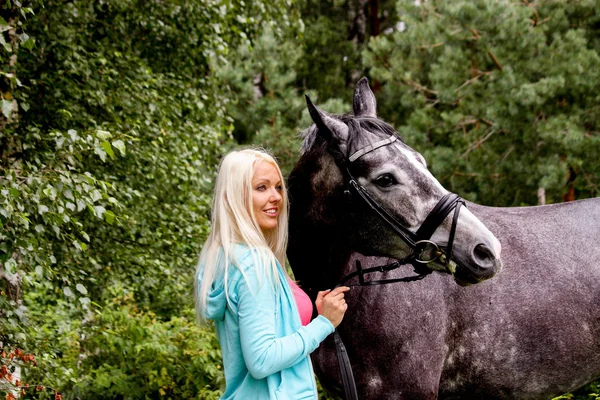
column 332, row 305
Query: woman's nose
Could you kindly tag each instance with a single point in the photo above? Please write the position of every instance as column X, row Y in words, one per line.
column 276, row 196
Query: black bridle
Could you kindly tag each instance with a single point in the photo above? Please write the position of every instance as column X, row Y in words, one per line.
column 422, row 250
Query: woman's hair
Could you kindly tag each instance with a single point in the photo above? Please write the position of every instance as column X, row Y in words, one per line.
column 233, row 222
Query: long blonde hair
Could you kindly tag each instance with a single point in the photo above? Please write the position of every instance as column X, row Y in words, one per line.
column 233, row 222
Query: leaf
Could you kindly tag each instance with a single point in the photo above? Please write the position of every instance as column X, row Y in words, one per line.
column 6, row 46
column 103, row 135
column 29, row 44
column 108, row 149
column 81, row 289
column 67, row 291
column 119, row 145
column 79, row 245
column 96, row 195
column 109, row 217
column 99, row 210
column 26, row 41
column 101, row 153
column 4, row 26
column 7, row 107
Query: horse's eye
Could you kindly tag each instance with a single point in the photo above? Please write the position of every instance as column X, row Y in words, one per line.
column 385, row 180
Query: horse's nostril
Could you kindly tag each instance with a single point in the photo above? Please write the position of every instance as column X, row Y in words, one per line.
column 483, row 255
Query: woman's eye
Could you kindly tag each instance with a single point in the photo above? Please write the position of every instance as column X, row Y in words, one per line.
column 385, row 180
column 279, row 188
column 261, row 187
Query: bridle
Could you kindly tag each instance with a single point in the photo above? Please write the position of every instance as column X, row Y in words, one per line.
column 422, row 250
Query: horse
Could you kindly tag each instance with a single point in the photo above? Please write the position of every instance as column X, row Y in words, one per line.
column 530, row 332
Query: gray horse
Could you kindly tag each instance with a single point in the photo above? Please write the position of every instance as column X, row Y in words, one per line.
column 531, row 332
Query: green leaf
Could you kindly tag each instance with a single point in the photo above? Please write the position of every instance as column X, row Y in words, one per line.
column 6, row 46
column 119, row 145
column 7, row 107
column 79, row 245
column 103, row 135
column 26, row 41
column 28, row 44
column 109, row 217
column 81, row 289
column 99, row 211
column 101, row 153
column 4, row 26
column 108, row 149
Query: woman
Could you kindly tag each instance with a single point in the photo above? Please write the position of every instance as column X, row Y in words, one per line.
column 262, row 317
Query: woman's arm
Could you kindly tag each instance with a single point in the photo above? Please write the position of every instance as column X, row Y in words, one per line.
column 263, row 352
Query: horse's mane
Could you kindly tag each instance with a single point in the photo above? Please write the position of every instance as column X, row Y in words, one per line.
column 312, row 141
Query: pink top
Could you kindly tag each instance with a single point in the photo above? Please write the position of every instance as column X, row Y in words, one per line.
column 305, row 307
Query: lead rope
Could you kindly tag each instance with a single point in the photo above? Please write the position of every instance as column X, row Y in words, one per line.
column 345, row 368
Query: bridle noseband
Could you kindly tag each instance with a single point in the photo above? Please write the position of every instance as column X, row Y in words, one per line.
column 423, row 250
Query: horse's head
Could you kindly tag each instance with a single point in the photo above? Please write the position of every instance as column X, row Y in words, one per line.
column 362, row 148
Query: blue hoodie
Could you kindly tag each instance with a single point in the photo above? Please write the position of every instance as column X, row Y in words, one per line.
column 265, row 348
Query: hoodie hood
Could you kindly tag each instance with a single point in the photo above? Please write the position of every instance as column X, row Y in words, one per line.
column 216, row 303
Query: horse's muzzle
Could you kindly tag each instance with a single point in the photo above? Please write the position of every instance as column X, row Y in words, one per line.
column 480, row 265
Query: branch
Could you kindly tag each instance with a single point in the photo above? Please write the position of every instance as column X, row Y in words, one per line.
column 478, row 143
column 417, row 86
column 498, row 65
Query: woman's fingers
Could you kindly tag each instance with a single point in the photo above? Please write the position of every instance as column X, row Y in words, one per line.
column 337, row 290
column 336, row 296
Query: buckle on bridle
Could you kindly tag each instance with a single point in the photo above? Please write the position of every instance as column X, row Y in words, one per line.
column 426, row 251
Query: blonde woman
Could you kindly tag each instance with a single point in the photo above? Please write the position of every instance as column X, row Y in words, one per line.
column 263, row 318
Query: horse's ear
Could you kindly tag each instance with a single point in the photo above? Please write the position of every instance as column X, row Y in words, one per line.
column 328, row 126
column 364, row 104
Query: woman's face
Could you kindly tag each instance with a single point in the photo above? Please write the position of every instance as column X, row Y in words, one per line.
column 266, row 195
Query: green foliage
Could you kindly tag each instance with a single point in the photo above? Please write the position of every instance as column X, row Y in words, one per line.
column 125, row 352
column 109, row 142
column 499, row 96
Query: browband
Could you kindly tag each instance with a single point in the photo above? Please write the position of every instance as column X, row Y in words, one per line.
column 372, row 147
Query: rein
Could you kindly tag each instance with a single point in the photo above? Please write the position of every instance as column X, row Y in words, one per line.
column 423, row 250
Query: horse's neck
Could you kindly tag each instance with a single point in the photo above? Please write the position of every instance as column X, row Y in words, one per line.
column 588, row 208
column 548, row 226
column 318, row 265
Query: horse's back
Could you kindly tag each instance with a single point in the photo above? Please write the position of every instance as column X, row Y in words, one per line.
column 534, row 330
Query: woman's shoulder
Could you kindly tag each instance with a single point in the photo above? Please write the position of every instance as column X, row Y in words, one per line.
column 245, row 256
column 241, row 255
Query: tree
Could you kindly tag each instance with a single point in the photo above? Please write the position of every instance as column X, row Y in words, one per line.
column 499, row 96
